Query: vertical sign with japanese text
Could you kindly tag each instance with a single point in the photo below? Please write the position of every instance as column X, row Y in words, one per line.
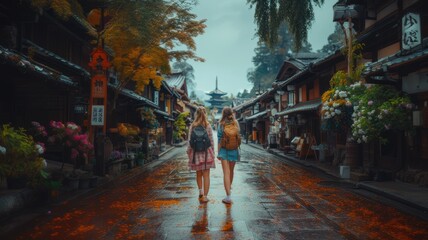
column 156, row 97
column 411, row 31
column 99, row 85
column 97, row 116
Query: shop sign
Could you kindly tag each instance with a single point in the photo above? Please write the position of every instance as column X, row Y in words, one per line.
column 80, row 108
column 411, row 31
column 97, row 116
column 99, row 86
column 156, row 97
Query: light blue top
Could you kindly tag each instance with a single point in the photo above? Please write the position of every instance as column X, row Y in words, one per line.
column 230, row 155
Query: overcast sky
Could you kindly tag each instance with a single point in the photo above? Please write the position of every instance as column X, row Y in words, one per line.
column 228, row 42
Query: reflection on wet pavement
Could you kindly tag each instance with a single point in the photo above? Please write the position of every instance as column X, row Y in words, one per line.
column 271, row 200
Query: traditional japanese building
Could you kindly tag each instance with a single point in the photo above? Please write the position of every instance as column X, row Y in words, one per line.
column 216, row 100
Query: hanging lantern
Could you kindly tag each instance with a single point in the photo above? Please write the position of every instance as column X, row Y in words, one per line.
column 99, row 60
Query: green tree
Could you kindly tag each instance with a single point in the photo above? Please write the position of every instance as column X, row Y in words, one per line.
column 298, row 14
column 245, row 94
column 335, row 41
column 267, row 61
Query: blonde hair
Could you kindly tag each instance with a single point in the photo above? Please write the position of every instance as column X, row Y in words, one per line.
column 227, row 115
column 200, row 117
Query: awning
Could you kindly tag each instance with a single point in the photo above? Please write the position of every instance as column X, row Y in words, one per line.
column 131, row 94
column 257, row 115
column 301, row 107
column 163, row 114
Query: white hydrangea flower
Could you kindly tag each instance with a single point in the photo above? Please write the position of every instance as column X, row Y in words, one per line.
column 2, row 150
column 337, row 111
column 40, row 149
column 44, row 163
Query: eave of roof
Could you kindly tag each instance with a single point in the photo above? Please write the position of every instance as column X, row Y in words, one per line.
column 26, row 65
column 131, row 94
column 400, row 58
column 301, row 107
column 257, row 115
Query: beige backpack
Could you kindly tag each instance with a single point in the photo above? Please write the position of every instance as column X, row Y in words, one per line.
column 231, row 138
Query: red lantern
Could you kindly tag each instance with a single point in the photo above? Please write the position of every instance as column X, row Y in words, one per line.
column 99, row 60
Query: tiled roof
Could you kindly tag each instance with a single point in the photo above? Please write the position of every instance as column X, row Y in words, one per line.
column 21, row 62
column 63, row 61
column 91, row 30
column 135, row 96
column 308, row 57
column 301, row 107
column 257, row 115
column 163, row 114
column 170, row 89
column 244, row 104
column 384, row 63
column 175, row 80
column 216, row 92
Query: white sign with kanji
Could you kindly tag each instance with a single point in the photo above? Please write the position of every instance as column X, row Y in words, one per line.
column 411, row 31
column 156, row 97
column 97, row 116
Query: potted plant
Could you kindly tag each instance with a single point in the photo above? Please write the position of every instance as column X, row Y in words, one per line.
column 20, row 157
column 115, row 162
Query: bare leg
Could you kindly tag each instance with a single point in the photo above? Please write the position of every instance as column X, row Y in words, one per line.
column 206, row 174
column 199, row 179
column 232, row 168
column 226, row 176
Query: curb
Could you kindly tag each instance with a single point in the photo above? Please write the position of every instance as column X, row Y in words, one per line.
column 376, row 190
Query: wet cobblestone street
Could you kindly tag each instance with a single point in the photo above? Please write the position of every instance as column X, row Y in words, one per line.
column 271, row 200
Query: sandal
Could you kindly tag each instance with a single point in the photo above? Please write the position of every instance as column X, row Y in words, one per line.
column 204, row 199
column 227, row 201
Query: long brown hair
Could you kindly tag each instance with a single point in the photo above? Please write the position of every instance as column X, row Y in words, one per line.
column 227, row 115
column 200, row 117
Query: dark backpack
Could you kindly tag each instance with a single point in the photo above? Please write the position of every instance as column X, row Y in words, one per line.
column 199, row 140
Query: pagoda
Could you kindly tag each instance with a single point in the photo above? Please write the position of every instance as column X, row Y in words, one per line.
column 216, row 100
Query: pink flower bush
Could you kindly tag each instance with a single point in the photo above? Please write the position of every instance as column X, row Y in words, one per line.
column 69, row 135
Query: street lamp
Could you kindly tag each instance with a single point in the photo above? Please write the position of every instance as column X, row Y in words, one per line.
column 344, row 12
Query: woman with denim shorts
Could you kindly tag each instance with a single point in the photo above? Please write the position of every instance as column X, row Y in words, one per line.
column 228, row 158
